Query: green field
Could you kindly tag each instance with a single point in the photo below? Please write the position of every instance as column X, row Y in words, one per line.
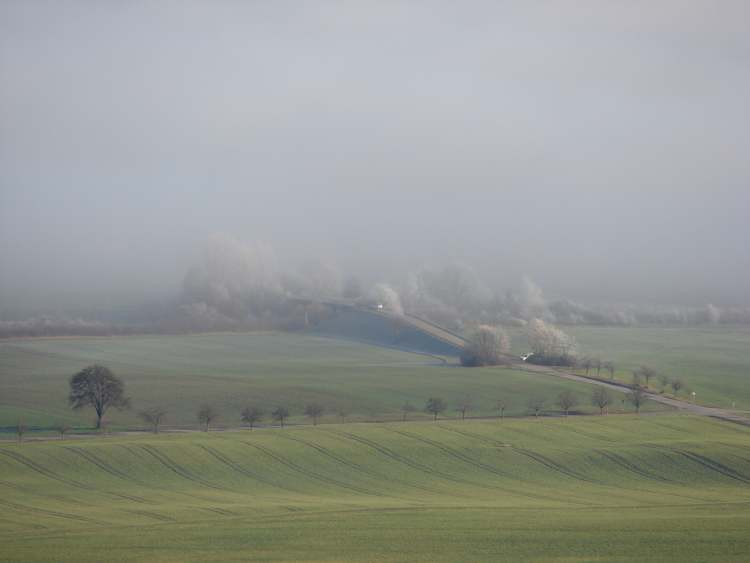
column 714, row 362
column 616, row 488
column 230, row 371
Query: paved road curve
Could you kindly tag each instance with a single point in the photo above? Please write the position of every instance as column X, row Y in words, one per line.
column 681, row 405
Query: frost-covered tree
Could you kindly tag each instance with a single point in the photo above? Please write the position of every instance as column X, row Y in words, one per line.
column 455, row 287
column 233, row 279
column 487, row 346
column 548, row 341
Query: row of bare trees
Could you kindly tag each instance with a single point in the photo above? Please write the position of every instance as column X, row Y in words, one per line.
column 646, row 374
column 98, row 387
column 21, row 429
column 566, row 400
column 252, row 415
column 589, row 364
column 641, row 377
column 601, row 397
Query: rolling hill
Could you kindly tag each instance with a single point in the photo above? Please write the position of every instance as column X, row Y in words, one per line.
column 617, row 488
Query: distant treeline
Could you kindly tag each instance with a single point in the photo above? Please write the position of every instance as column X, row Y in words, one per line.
column 179, row 322
column 199, row 318
column 571, row 313
column 238, row 286
column 50, row 327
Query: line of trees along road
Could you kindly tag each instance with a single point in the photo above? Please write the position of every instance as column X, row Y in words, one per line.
column 96, row 386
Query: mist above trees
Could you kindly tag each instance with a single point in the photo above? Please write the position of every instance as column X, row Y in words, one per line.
column 346, row 155
column 241, row 285
column 233, row 280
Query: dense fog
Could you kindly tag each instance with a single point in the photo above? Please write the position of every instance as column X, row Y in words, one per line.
column 500, row 161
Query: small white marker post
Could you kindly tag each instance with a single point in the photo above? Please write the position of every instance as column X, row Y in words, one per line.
column 693, row 394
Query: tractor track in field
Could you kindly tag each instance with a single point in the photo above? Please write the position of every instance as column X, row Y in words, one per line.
column 110, row 470
column 455, row 454
column 45, row 512
column 554, row 466
column 393, row 456
column 312, row 474
column 104, row 466
column 550, row 464
column 700, row 460
column 135, row 452
column 446, row 476
column 140, row 455
column 164, row 460
column 713, row 465
column 429, row 470
column 469, row 461
column 149, row 514
column 622, row 462
column 217, row 510
column 224, row 460
column 330, row 455
column 9, row 523
column 478, row 437
column 52, row 475
column 30, row 464
column 26, row 489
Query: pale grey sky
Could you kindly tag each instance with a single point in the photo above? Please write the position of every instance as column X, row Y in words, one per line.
column 600, row 147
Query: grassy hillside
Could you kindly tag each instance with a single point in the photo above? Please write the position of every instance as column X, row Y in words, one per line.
column 231, row 370
column 649, row 488
column 383, row 328
column 714, row 361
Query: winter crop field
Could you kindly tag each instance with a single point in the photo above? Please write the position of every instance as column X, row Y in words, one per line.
column 655, row 487
column 230, row 371
column 714, row 361
column 613, row 488
column 362, row 382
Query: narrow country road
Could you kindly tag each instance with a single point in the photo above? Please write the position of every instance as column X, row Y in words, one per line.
column 675, row 403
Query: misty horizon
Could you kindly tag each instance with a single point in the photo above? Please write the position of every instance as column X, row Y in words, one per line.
column 598, row 148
